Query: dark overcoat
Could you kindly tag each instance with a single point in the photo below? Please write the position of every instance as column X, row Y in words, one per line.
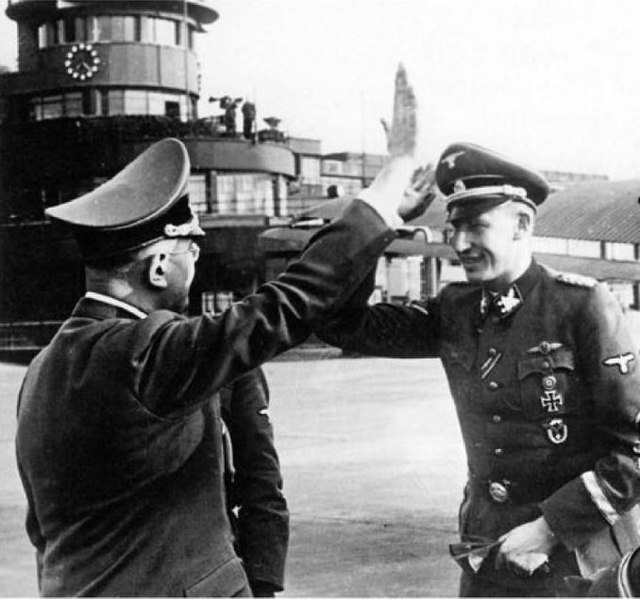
column 118, row 438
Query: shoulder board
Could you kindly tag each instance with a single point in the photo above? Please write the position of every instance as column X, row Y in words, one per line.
column 571, row 278
column 419, row 306
column 461, row 285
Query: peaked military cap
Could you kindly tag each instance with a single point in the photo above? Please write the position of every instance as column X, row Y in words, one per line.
column 475, row 179
column 143, row 203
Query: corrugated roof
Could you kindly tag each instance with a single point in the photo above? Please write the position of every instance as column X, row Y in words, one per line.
column 595, row 211
column 284, row 239
column 603, row 270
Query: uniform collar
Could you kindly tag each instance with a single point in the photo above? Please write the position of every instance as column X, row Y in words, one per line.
column 104, row 306
column 506, row 303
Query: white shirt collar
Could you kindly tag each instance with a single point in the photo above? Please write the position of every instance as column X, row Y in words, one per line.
column 105, row 299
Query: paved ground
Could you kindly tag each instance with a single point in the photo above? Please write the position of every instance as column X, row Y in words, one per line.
column 373, row 469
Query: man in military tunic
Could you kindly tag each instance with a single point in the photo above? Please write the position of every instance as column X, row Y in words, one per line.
column 119, row 433
column 255, row 502
column 544, row 376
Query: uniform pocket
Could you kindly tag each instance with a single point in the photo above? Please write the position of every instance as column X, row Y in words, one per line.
column 544, row 383
column 229, row 580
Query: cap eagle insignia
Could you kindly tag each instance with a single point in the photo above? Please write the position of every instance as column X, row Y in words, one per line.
column 451, row 158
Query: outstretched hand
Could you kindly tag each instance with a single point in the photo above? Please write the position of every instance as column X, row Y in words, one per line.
column 394, row 192
column 419, row 194
column 401, row 133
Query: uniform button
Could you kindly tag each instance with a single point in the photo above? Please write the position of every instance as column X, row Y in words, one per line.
column 493, row 385
column 499, row 491
column 546, row 364
column 497, row 418
column 498, row 451
column 492, row 351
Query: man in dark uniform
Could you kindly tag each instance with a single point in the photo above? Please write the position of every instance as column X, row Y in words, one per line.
column 119, row 433
column 544, row 376
column 248, row 120
column 258, row 510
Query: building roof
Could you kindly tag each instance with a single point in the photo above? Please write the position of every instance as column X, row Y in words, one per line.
column 284, row 239
column 595, row 211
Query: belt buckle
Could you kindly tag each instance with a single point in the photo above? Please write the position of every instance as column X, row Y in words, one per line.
column 498, row 491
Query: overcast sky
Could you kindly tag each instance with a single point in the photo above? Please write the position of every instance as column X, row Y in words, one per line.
column 555, row 83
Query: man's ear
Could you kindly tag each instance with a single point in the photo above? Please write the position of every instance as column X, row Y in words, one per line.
column 157, row 271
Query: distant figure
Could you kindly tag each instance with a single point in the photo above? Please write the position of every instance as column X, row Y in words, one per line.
column 253, row 482
column 229, row 105
column 248, row 120
column 230, row 115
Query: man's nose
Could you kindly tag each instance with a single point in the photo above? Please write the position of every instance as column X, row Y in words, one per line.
column 459, row 241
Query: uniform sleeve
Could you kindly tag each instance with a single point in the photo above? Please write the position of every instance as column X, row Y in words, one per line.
column 180, row 362
column 383, row 329
column 262, row 516
column 608, row 361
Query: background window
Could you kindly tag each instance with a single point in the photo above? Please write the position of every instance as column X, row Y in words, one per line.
column 130, row 27
column 310, row 170
column 73, row 104
column 225, row 194
column 81, row 27
column 147, row 30
column 135, row 102
column 117, row 29
column 102, row 29
column 166, row 32
column 36, row 108
column 172, row 109
column 52, row 107
column 198, row 193
column 69, row 28
column 48, row 34
column 156, row 103
column 116, row 102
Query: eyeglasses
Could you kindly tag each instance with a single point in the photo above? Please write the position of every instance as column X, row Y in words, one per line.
column 193, row 249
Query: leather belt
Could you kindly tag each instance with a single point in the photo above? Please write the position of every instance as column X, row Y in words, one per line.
column 502, row 490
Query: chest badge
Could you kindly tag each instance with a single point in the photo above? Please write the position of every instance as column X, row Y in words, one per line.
column 557, row 430
column 551, row 401
column 622, row 361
